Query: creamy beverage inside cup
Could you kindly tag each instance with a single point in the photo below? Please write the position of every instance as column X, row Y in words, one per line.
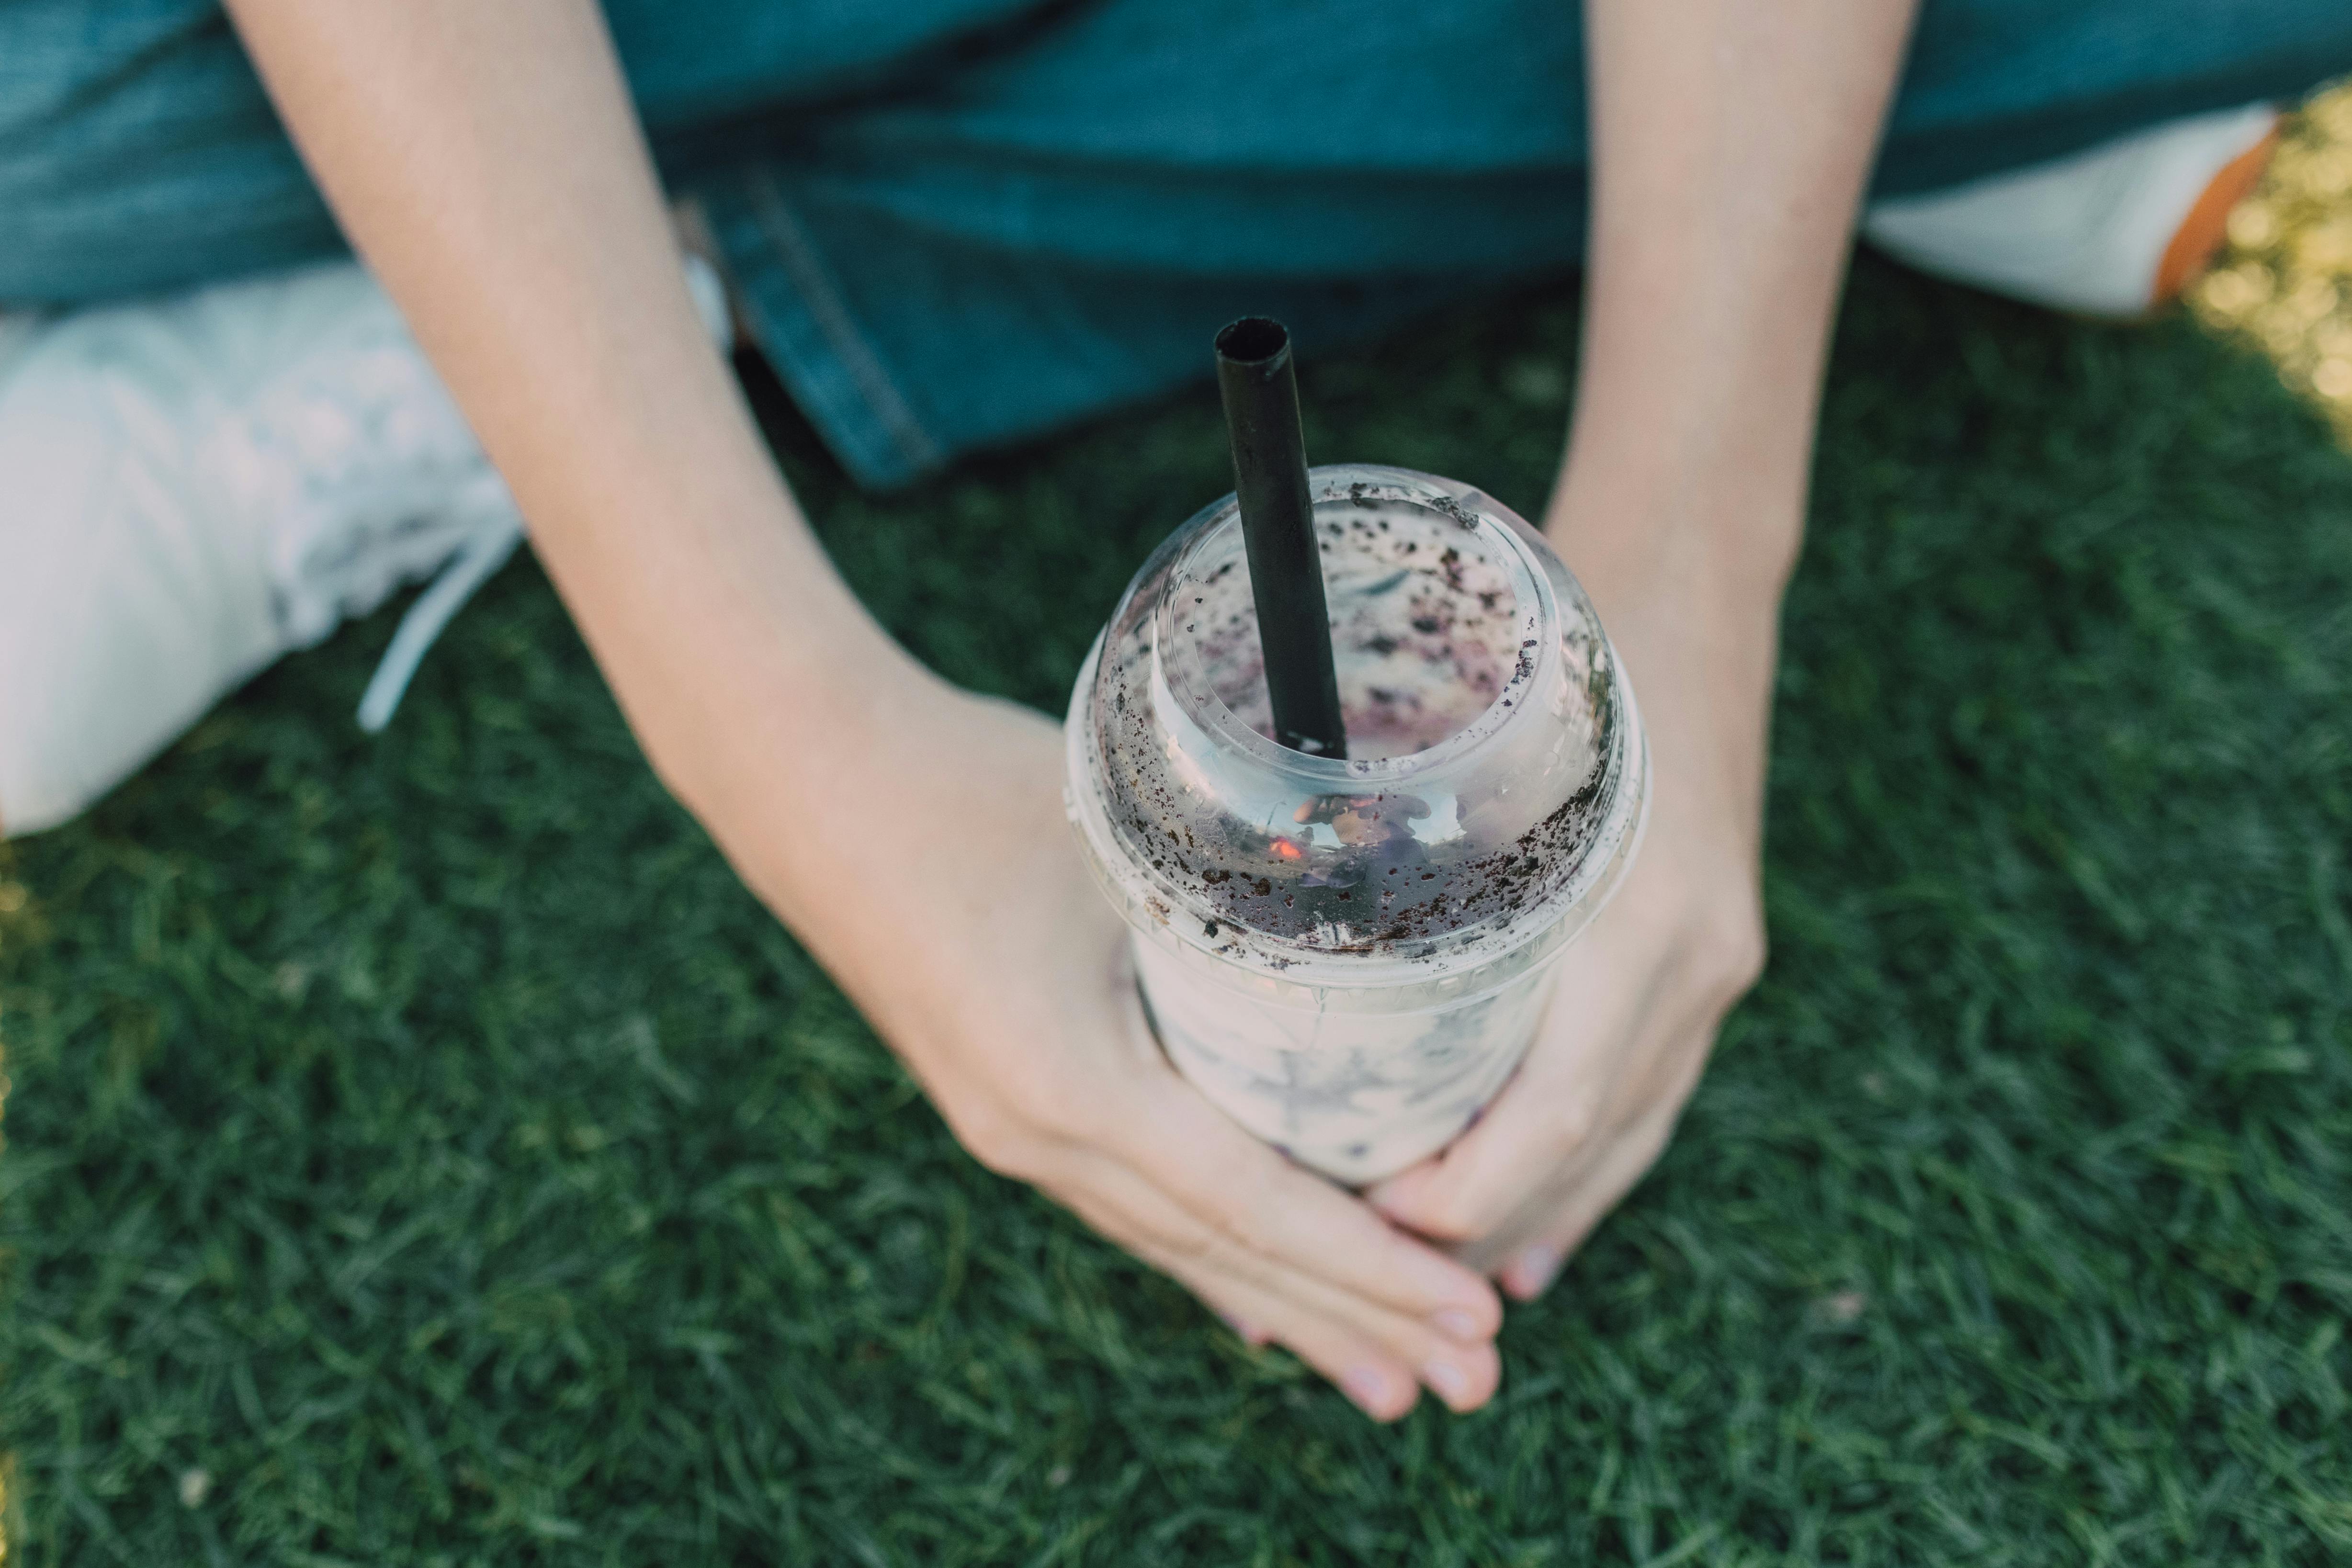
column 1349, row 955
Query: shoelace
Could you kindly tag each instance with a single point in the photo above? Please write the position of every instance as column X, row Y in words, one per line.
column 492, row 543
column 476, row 562
column 370, row 481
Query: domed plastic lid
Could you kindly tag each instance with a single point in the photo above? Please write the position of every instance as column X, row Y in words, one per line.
column 1496, row 775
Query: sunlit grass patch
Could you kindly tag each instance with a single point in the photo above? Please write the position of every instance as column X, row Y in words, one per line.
column 2284, row 279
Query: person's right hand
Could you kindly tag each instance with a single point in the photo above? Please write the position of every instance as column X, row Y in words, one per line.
column 947, row 895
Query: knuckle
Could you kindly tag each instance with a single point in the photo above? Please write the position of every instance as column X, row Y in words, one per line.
column 1052, row 1111
column 1000, row 1154
column 1003, row 1144
column 1190, row 1248
column 1652, row 1145
column 1043, row 1102
column 1458, row 1216
column 1574, row 1119
column 1020, row 1121
column 1188, row 1253
column 1732, row 951
column 1240, row 1220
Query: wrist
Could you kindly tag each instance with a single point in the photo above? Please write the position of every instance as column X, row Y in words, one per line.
column 1720, row 516
column 789, row 732
column 1699, row 562
column 1687, row 568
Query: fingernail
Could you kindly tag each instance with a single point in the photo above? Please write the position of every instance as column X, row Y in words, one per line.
column 1452, row 1383
column 1534, row 1267
column 1456, row 1323
column 1243, row 1329
column 1367, row 1386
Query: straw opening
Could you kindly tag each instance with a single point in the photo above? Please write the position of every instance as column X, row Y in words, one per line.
column 1253, row 339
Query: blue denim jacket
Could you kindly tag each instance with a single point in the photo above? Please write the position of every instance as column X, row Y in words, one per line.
column 963, row 222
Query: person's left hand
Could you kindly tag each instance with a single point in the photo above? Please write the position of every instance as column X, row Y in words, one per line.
column 1639, row 998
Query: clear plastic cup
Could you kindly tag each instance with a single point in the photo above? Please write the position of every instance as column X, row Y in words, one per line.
column 1350, row 957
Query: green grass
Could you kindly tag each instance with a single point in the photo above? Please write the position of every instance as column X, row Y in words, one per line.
column 427, row 1139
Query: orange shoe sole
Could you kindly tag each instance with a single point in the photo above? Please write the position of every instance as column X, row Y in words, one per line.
column 2200, row 233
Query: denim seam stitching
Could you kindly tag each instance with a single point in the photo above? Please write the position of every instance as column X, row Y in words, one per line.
column 788, row 240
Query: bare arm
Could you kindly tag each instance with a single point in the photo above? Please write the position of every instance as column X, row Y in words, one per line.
column 486, row 161
column 1731, row 142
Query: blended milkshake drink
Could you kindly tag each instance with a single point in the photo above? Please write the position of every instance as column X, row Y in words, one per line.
column 1349, row 955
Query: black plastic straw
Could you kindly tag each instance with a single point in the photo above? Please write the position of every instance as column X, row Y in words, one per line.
column 1293, row 627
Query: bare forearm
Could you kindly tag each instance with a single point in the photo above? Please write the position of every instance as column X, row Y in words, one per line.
column 486, row 161
column 1731, row 143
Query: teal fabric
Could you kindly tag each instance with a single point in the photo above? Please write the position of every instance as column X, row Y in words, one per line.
column 960, row 223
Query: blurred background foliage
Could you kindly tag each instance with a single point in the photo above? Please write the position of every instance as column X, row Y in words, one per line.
column 2284, row 280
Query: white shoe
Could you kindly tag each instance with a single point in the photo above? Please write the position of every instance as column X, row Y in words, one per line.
column 190, row 488
column 15, row 333
column 2113, row 231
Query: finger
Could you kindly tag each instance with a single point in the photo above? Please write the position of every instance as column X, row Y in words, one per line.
column 1529, row 1247
column 1268, row 1207
column 1548, row 1111
column 1374, row 1381
column 1463, row 1373
column 1378, row 1382
column 1356, row 1367
column 1599, row 1188
column 1587, row 1071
